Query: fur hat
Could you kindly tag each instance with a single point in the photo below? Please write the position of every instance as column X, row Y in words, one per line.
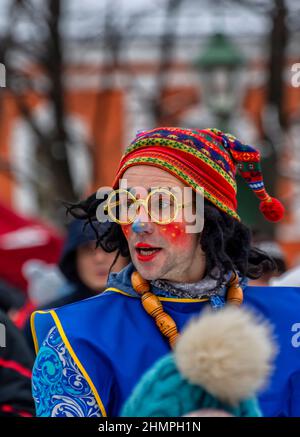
column 221, row 360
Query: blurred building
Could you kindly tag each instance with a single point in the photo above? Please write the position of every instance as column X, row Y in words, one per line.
column 129, row 69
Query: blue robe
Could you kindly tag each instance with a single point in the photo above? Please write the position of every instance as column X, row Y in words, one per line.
column 113, row 341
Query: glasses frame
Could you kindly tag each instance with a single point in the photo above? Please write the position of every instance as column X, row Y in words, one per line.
column 142, row 202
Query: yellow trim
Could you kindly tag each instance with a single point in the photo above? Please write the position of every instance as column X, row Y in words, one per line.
column 185, row 300
column 75, row 358
column 117, row 290
column 33, row 331
column 166, row 299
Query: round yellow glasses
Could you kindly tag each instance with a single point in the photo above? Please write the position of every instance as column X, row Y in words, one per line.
column 161, row 205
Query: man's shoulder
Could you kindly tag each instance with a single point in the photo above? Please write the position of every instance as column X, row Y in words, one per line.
column 271, row 290
column 274, row 300
column 118, row 292
column 82, row 317
column 97, row 309
column 105, row 301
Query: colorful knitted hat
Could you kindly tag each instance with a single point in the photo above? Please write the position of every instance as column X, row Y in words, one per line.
column 220, row 362
column 206, row 160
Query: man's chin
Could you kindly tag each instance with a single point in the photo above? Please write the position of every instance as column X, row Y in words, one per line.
column 149, row 271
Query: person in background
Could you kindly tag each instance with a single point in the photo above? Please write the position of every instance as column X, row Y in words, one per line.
column 11, row 297
column 85, row 267
column 16, row 362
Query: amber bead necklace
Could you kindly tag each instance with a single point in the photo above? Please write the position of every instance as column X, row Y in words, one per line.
column 164, row 321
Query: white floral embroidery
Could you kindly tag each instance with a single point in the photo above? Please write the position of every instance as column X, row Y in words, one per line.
column 59, row 389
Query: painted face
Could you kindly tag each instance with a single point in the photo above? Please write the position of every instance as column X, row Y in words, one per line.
column 162, row 251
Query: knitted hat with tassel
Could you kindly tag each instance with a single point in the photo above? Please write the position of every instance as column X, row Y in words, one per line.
column 207, row 160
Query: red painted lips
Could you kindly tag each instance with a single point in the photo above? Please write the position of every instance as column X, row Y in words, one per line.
column 145, row 252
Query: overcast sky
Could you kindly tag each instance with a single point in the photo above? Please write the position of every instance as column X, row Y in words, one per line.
column 196, row 17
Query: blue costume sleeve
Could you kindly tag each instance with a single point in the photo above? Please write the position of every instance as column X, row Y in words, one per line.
column 59, row 389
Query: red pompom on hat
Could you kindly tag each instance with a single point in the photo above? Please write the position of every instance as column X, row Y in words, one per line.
column 247, row 160
column 272, row 209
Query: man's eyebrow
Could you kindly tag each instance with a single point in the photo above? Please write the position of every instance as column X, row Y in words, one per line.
column 132, row 190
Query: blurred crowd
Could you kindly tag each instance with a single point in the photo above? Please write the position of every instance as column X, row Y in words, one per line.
column 80, row 272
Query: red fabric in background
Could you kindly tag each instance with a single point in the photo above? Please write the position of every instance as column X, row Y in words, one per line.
column 22, row 239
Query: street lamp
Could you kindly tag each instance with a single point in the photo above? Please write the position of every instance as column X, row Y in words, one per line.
column 220, row 67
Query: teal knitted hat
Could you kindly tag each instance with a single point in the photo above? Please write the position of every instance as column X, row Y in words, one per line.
column 220, row 362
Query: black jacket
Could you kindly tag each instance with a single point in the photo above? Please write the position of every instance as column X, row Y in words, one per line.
column 16, row 361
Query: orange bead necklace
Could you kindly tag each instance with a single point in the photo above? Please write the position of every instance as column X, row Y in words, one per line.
column 164, row 321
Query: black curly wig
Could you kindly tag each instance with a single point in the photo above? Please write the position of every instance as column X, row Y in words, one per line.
column 225, row 241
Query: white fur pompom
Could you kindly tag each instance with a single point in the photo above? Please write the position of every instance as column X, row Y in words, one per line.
column 228, row 352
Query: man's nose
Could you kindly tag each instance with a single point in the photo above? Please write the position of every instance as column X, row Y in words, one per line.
column 142, row 223
column 140, row 227
column 142, row 213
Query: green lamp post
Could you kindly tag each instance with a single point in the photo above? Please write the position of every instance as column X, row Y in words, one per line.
column 220, row 67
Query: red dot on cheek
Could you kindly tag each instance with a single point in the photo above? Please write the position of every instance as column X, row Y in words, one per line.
column 173, row 231
column 126, row 230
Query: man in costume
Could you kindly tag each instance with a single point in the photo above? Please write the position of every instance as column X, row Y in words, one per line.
column 91, row 354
